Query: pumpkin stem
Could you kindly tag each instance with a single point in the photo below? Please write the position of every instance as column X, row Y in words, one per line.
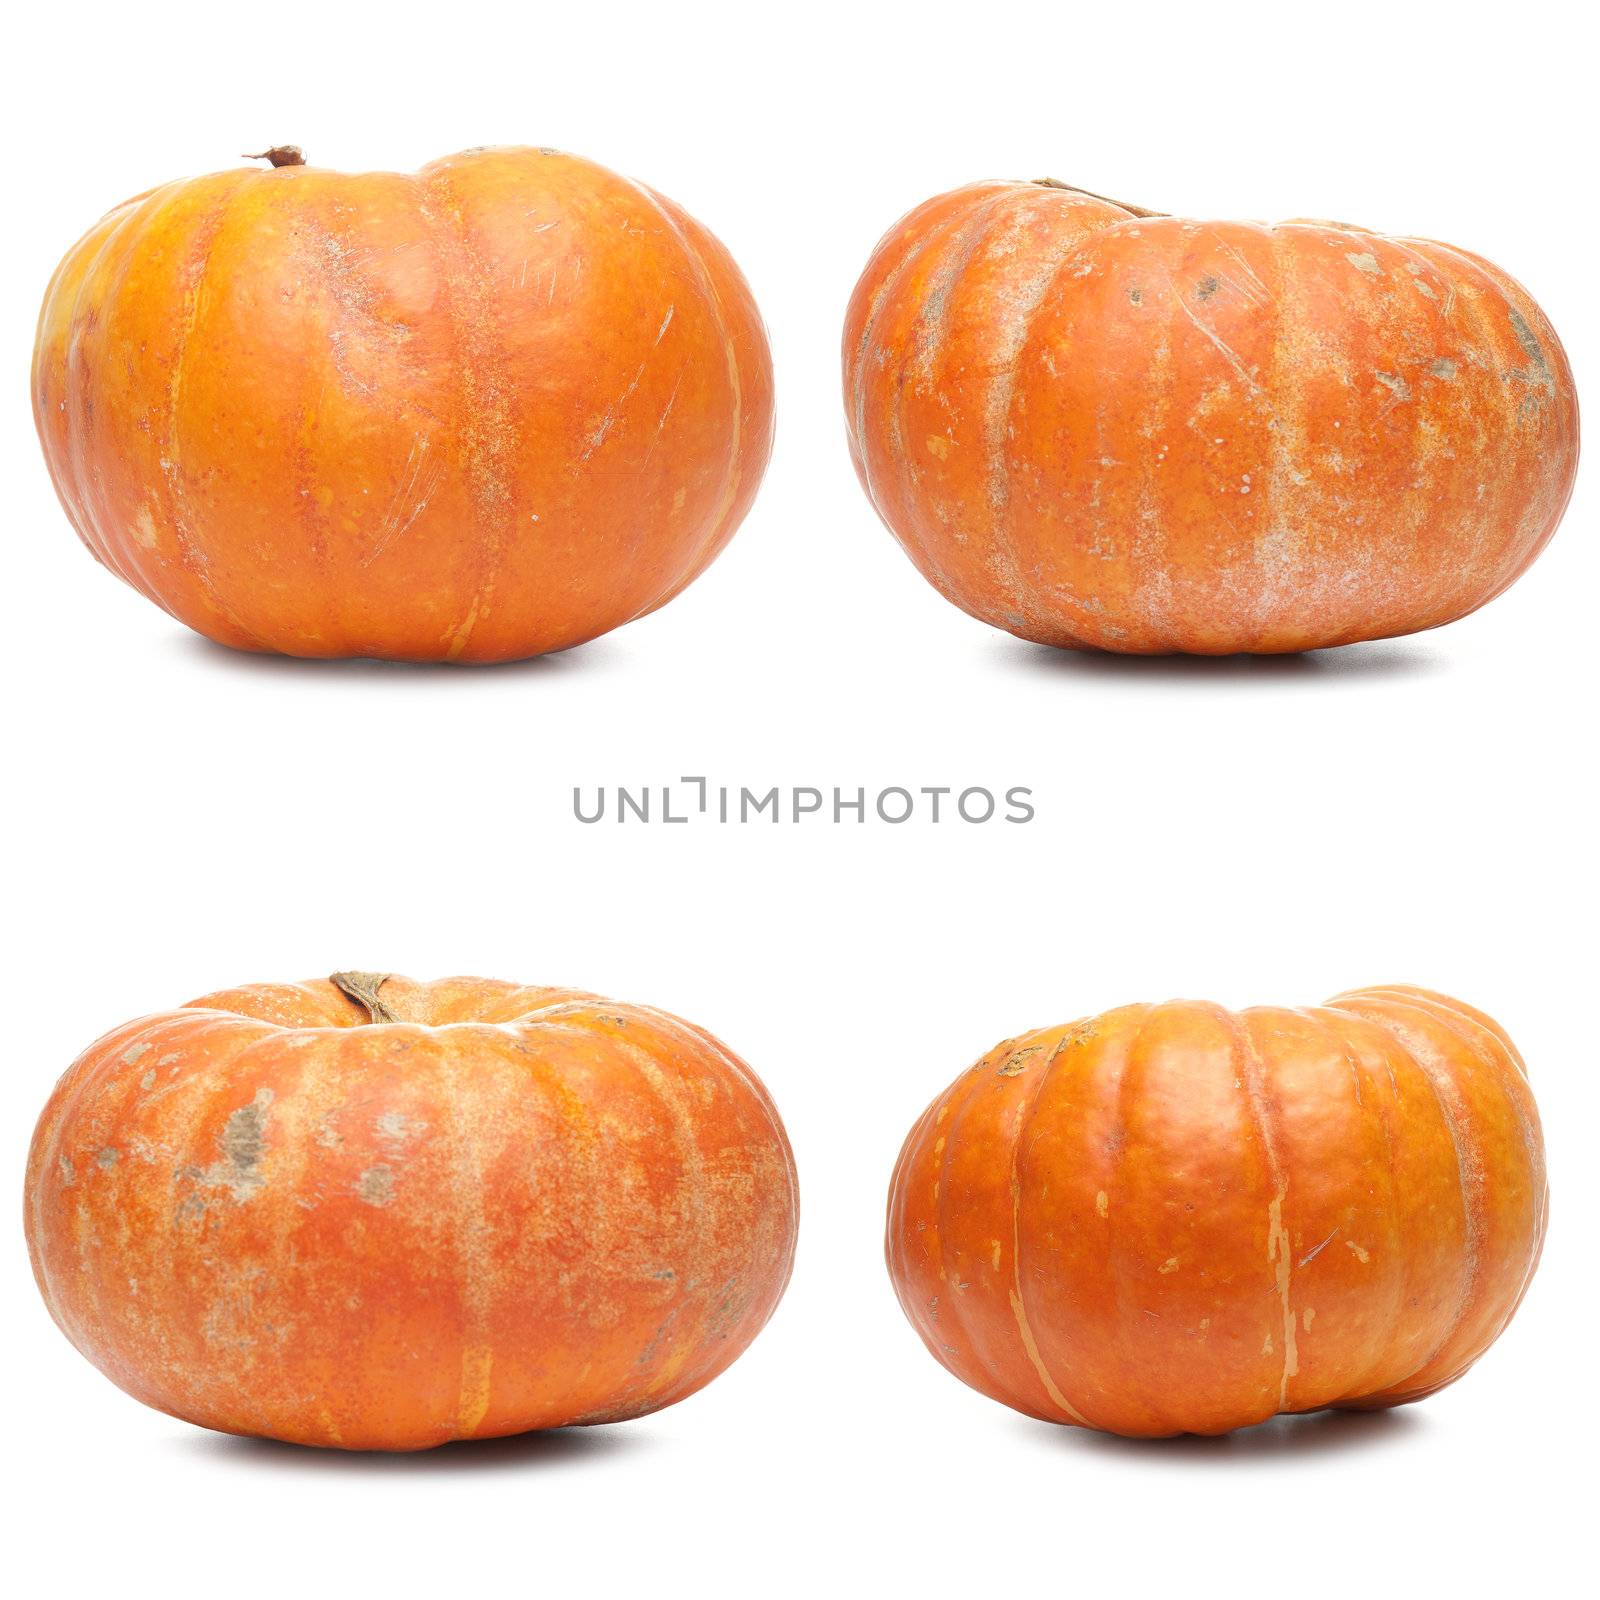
column 281, row 155
column 1072, row 188
column 363, row 987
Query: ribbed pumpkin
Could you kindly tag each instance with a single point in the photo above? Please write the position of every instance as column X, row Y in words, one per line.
column 381, row 1215
column 1100, row 427
column 1179, row 1219
column 492, row 409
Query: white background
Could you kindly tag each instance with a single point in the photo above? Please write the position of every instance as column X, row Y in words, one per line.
column 1417, row 811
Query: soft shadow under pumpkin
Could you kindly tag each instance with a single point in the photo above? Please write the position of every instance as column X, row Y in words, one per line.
column 1309, row 1435
column 1386, row 660
column 552, row 1449
column 594, row 656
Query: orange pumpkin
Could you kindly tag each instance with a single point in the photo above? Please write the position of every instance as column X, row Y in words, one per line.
column 1180, row 1219
column 486, row 411
column 1100, row 427
column 381, row 1215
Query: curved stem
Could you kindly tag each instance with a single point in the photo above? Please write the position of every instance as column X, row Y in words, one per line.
column 281, row 155
column 363, row 987
column 1072, row 188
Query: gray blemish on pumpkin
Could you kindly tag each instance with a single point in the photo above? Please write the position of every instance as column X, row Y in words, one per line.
column 1538, row 369
column 396, row 1127
column 1206, row 287
column 1444, row 367
column 375, row 1186
column 242, row 1144
column 69, row 1173
column 1135, row 296
column 131, row 1055
column 107, row 1158
column 148, row 1081
column 1396, row 385
column 1363, row 261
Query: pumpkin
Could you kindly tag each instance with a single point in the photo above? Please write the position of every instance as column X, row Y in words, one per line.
column 489, row 410
column 381, row 1215
column 1099, row 427
column 1180, row 1219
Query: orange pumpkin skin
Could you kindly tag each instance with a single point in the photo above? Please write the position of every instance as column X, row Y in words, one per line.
column 489, row 410
column 1100, row 428
column 1178, row 1219
column 515, row 1208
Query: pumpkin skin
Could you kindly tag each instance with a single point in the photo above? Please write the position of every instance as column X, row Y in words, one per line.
column 1101, row 428
column 488, row 410
column 1179, row 1219
column 510, row 1208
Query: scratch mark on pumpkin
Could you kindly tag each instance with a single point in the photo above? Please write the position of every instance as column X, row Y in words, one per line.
column 609, row 420
column 1317, row 1249
column 1224, row 349
column 397, row 521
column 1244, row 266
column 661, row 421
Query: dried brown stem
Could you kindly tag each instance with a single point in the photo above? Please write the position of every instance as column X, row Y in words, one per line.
column 281, row 155
column 1072, row 188
column 363, row 987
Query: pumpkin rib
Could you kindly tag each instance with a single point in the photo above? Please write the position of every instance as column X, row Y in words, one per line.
column 1396, row 1256
column 1507, row 290
column 856, row 372
column 126, row 557
column 1364, row 1398
column 712, row 539
column 868, row 298
column 733, row 1068
column 1458, row 1020
column 1279, row 1252
column 472, row 1249
column 922, row 339
column 995, row 410
column 1386, row 1339
column 71, row 279
column 98, row 526
column 1157, row 1420
column 657, row 1089
column 1489, row 336
column 975, row 1086
column 927, row 1322
column 1019, row 1307
column 491, row 434
column 202, row 242
column 727, row 283
column 654, row 1087
column 950, row 232
column 1503, row 290
column 1446, row 1090
column 65, row 468
column 693, row 1162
